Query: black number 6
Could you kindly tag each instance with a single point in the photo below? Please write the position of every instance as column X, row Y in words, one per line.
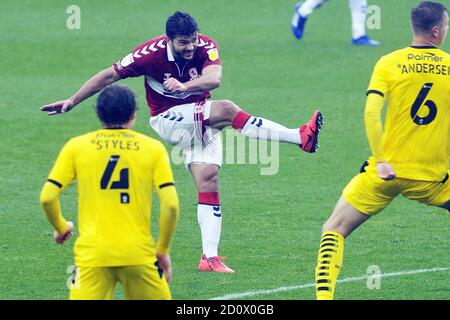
column 419, row 102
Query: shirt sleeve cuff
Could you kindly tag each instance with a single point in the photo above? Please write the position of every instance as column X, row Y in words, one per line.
column 61, row 226
column 161, row 249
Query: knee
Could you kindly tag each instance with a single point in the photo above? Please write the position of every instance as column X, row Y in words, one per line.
column 329, row 226
column 228, row 109
column 336, row 225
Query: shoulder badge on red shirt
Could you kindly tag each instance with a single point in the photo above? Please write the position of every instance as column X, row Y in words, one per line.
column 213, row 54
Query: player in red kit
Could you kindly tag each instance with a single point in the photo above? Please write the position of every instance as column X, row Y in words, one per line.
column 179, row 70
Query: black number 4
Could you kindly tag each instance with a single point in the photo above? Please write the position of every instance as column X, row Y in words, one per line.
column 106, row 178
column 419, row 102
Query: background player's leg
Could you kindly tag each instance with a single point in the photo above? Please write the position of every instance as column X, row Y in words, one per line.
column 342, row 222
column 225, row 113
column 309, row 6
column 301, row 12
column 358, row 10
column 209, row 215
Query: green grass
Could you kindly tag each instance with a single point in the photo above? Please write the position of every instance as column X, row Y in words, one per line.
column 271, row 224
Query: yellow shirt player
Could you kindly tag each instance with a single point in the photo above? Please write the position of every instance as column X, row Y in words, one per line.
column 115, row 170
column 410, row 154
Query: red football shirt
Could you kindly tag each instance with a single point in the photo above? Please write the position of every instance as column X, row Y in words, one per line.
column 154, row 60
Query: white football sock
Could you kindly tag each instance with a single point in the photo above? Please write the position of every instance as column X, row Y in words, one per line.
column 260, row 128
column 308, row 7
column 358, row 10
column 210, row 221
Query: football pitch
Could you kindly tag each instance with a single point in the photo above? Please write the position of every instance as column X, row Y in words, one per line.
column 271, row 223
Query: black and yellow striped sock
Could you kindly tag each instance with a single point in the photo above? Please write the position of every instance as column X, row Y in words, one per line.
column 329, row 262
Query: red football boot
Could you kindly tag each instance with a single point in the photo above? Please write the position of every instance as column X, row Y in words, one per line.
column 213, row 264
column 309, row 133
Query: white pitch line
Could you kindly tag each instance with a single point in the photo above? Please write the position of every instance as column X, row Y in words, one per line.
column 309, row 285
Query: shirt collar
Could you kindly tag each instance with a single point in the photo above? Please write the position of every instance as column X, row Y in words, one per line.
column 170, row 56
column 424, row 47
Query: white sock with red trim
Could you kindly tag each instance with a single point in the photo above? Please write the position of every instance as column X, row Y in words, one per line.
column 260, row 128
column 210, row 220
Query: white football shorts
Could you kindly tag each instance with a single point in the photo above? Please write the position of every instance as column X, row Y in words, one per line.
column 184, row 127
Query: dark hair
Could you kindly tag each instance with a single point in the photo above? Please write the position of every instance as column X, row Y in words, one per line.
column 180, row 23
column 426, row 15
column 115, row 105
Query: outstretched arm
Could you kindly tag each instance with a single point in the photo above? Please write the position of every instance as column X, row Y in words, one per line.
column 88, row 89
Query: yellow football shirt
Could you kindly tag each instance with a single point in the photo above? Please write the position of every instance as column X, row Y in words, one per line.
column 416, row 83
column 115, row 172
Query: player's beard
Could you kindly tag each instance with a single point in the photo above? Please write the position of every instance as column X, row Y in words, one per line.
column 186, row 55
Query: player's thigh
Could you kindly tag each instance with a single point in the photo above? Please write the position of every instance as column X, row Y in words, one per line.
column 144, row 282
column 93, row 283
column 441, row 194
column 180, row 124
column 368, row 193
column 176, row 124
column 222, row 113
column 427, row 192
column 208, row 151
